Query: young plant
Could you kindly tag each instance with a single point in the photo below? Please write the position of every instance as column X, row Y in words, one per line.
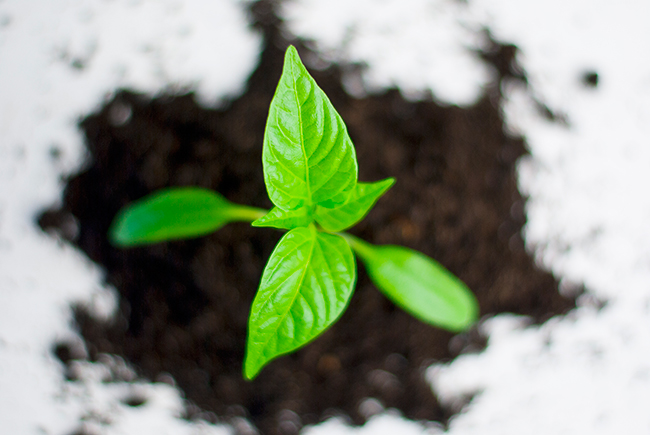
column 310, row 172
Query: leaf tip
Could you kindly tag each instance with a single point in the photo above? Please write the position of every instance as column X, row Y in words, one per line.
column 291, row 51
column 118, row 233
column 249, row 373
column 252, row 365
column 386, row 184
column 473, row 313
column 291, row 57
column 292, row 60
column 465, row 318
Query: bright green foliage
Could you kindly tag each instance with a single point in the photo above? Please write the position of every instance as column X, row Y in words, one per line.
column 310, row 171
column 176, row 213
column 308, row 157
column 305, row 287
column 361, row 200
column 418, row 284
column 285, row 219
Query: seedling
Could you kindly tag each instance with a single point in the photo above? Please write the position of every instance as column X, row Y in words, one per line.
column 310, row 172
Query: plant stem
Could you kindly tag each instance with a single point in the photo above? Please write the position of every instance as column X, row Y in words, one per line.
column 361, row 247
column 247, row 214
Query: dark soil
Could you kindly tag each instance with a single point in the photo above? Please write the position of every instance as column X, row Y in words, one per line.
column 184, row 305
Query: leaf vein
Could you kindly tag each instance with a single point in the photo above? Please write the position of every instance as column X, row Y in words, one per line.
column 278, row 264
column 332, row 145
column 325, row 181
column 300, row 281
column 273, row 151
column 326, row 297
column 302, row 133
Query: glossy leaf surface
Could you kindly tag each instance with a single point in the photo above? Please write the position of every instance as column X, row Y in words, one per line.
column 176, row 213
column 361, row 200
column 419, row 285
column 305, row 287
column 308, row 156
column 285, row 219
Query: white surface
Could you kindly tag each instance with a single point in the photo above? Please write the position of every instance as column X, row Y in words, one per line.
column 588, row 211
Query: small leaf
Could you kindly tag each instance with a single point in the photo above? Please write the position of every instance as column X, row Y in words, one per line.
column 285, row 219
column 418, row 284
column 361, row 200
column 308, row 156
column 176, row 213
column 305, row 287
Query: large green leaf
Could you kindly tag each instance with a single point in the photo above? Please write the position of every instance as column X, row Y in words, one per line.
column 305, row 287
column 361, row 200
column 418, row 284
column 285, row 219
column 308, row 156
column 176, row 213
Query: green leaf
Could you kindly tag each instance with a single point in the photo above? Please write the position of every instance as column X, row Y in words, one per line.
column 286, row 219
column 305, row 287
column 308, row 156
column 418, row 284
column 176, row 213
column 361, row 200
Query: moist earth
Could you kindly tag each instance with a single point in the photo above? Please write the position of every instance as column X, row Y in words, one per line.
column 184, row 305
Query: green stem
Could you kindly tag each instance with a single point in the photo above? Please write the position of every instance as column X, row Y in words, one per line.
column 361, row 247
column 247, row 214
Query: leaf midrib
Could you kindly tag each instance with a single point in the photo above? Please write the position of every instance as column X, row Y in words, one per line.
column 302, row 136
column 299, row 286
